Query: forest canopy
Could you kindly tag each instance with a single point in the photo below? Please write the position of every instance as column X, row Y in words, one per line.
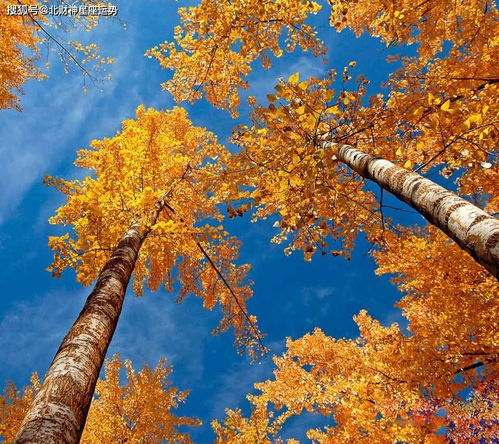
column 232, row 135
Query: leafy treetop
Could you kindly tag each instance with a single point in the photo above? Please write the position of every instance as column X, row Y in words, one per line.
column 217, row 42
column 139, row 410
column 160, row 173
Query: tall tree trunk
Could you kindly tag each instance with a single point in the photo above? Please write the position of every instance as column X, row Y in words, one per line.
column 474, row 230
column 59, row 410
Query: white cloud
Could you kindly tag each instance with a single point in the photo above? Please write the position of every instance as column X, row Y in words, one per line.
column 149, row 328
column 58, row 117
column 239, row 379
column 306, row 65
column 32, row 332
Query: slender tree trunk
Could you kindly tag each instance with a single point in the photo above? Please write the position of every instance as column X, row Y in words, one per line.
column 474, row 230
column 59, row 410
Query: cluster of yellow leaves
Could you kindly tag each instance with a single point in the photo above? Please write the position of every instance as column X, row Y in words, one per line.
column 18, row 51
column 444, row 112
column 161, row 173
column 139, row 411
column 451, row 301
column 90, row 54
column 217, row 42
column 294, row 175
column 13, row 407
column 22, row 36
column 428, row 23
column 483, row 186
column 442, row 107
column 380, row 387
column 236, row 429
column 87, row 54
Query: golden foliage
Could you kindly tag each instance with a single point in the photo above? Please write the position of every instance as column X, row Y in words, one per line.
column 429, row 24
column 18, row 50
column 22, row 36
column 451, row 301
column 138, row 411
column 217, row 42
column 13, row 407
column 295, row 175
column 442, row 106
column 161, row 173
column 380, row 387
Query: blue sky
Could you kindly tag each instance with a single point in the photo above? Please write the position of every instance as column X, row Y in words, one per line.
column 291, row 296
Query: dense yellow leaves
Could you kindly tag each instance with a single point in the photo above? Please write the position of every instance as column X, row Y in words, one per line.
column 442, row 106
column 236, row 429
column 295, row 175
column 439, row 114
column 13, row 407
column 451, row 301
column 159, row 172
column 18, row 47
column 138, row 411
column 217, row 42
column 379, row 388
column 22, row 36
column 428, row 23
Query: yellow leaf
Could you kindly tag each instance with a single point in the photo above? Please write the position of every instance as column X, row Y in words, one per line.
column 407, row 164
column 295, row 181
column 293, row 79
column 418, row 111
column 445, row 106
column 333, row 110
column 303, row 85
column 329, row 94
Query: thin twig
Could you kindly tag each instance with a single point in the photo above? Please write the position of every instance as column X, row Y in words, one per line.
column 64, row 49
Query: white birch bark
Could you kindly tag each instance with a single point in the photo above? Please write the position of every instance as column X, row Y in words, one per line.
column 59, row 410
column 474, row 230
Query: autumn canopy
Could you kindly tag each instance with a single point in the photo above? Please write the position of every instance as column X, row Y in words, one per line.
column 321, row 160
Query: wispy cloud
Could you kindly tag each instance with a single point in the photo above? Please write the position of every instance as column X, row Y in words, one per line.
column 307, row 65
column 154, row 326
column 32, row 332
column 150, row 328
column 57, row 115
column 239, row 379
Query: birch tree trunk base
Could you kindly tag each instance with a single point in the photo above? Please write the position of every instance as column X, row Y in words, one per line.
column 60, row 408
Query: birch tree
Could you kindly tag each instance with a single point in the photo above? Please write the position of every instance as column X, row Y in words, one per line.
column 141, row 409
column 143, row 215
column 439, row 113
